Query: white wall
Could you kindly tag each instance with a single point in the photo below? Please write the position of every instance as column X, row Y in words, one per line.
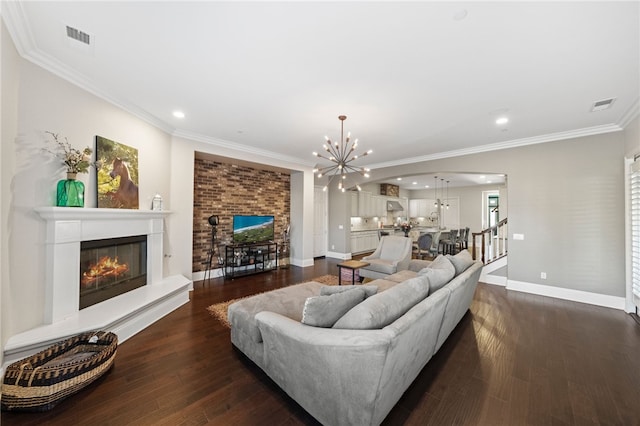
column 9, row 119
column 41, row 101
column 567, row 198
column 632, row 138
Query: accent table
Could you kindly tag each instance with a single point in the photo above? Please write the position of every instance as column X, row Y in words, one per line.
column 353, row 265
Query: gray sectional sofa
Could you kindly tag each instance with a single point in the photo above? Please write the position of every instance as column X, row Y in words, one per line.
column 347, row 354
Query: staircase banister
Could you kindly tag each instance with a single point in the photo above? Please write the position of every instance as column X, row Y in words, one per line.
column 491, row 230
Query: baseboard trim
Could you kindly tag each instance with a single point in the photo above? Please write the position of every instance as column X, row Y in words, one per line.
column 337, row 255
column 493, row 279
column 568, row 294
column 214, row 273
column 303, row 263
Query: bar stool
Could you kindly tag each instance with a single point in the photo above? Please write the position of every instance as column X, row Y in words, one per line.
column 449, row 245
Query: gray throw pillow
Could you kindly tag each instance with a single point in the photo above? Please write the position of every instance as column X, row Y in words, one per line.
column 382, row 309
column 440, row 272
column 324, row 311
column 461, row 261
column 369, row 290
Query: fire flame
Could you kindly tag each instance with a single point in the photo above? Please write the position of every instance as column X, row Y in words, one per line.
column 105, row 268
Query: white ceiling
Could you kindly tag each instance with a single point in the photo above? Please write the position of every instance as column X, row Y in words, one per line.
column 415, row 80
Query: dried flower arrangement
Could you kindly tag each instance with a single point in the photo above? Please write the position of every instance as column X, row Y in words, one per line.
column 76, row 161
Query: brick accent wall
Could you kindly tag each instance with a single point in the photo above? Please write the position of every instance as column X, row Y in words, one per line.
column 227, row 189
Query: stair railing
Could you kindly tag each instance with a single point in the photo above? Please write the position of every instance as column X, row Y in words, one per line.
column 493, row 245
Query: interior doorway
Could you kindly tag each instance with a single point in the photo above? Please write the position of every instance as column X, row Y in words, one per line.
column 490, row 208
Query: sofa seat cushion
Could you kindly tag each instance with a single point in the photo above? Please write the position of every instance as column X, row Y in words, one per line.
column 439, row 272
column 417, row 264
column 461, row 261
column 384, row 308
column 369, row 290
column 402, row 276
column 382, row 265
column 288, row 301
column 324, row 311
column 383, row 284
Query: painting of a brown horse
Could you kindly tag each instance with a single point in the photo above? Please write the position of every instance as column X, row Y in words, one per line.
column 127, row 193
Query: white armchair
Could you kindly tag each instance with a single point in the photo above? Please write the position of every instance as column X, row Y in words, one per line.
column 393, row 254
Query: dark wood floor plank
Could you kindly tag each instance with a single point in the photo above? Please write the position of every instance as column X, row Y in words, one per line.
column 514, row 359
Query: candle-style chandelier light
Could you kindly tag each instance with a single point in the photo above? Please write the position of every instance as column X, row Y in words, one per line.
column 341, row 154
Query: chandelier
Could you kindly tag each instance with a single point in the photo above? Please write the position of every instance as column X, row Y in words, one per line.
column 341, row 155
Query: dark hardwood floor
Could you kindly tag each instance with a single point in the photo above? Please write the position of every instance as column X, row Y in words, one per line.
column 514, row 359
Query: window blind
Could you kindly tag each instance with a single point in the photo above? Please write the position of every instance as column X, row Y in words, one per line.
column 635, row 231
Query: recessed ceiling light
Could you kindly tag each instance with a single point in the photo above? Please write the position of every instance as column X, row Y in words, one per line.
column 178, row 114
column 414, row 183
column 426, row 186
column 502, row 120
column 398, row 178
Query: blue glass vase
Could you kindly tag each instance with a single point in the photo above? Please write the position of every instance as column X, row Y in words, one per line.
column 70, row 192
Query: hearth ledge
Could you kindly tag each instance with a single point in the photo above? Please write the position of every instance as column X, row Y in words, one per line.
column 136, row 309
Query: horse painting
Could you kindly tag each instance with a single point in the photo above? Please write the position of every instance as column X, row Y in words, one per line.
column 126, row 196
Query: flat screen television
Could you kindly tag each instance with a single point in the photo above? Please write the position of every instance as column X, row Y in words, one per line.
column 252, row 229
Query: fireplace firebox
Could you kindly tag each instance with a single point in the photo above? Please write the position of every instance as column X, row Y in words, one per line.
column 111, row 267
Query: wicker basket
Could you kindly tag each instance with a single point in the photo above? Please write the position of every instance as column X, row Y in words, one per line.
column 41, row 381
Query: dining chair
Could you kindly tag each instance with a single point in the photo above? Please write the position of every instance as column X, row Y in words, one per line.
column 424, row 245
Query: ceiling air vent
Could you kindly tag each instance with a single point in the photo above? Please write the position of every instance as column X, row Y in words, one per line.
column 603, row 104
column 78, row 35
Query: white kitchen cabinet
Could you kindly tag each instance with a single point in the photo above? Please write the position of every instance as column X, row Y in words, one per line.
column 354, row 242
column 404, row 202
column 364, row 204
column 354, row 204
column 414, row 208
column 371, row 241
column 420, row 207
column 364, row 241
column 379, row 206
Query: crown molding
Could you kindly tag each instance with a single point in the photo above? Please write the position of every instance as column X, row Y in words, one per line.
column 79, row 80
column 16, row 23
column 552, row 137
column 240, row 148
column 630, row 114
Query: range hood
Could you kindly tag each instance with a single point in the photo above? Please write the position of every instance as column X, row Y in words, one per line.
column 394, row 206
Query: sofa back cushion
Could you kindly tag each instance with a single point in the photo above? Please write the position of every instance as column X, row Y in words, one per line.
column 369, row 290
column 382, row 309
column 461, row 261
column 439, row 272
column 324, row 311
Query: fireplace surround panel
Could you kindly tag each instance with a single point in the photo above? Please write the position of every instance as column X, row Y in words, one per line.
column 68, row 228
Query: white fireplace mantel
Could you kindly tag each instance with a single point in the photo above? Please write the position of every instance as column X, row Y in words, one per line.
column 125, row 314
column 67, row 227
